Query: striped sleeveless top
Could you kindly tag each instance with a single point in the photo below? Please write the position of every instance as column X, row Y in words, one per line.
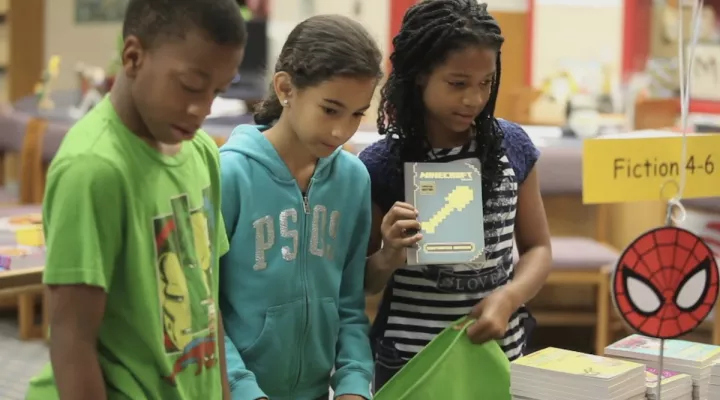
column 421, row 301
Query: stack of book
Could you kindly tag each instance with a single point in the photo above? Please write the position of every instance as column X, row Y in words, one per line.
column 553, row 374
column 674, row 385
column 714, row 388
column 694, row 359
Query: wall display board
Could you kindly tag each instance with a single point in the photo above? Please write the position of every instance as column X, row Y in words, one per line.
column 91, row 11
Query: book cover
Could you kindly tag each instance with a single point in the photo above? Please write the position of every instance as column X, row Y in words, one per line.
column 645, row 347
column 449, row 199
column 668, row 377
column 574, row 363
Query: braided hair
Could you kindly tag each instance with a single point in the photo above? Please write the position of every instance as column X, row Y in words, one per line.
column 430, row 31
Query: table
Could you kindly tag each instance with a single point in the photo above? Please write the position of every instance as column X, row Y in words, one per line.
column 60, row 121
column 35, row 135
column 23, row 282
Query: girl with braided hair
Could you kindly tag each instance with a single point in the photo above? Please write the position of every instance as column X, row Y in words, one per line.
column 437, row 106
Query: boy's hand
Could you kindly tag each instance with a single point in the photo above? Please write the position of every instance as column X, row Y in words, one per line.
column 400, row 229
column 491, row 315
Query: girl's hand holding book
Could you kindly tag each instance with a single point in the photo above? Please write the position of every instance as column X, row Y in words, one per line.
column 400, row 228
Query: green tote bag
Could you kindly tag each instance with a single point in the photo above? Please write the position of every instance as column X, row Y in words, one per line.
column 453, row 368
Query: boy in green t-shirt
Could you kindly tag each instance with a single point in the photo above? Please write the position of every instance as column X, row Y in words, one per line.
column 132, row 219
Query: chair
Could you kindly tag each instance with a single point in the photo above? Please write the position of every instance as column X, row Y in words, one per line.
column 656, row 113
column 32, row 170
column 579, row 259
column 23, row 283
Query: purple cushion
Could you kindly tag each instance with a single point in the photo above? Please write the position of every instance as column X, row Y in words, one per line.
column 579, row 253
column 7, row 197
column 560, row 170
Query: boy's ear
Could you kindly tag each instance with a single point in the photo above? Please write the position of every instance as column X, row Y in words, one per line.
column 282, row 83
column 132, row 56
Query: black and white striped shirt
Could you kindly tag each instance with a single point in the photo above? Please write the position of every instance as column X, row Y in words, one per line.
column 421, row 301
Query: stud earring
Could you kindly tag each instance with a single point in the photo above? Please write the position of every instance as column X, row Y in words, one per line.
column 285, row 102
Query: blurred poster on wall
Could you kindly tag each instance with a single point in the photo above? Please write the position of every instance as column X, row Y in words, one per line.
column 93, row 11
column 258, row 8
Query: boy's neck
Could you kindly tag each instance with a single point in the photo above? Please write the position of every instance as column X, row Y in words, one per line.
column 124, row 106
column 297, row 158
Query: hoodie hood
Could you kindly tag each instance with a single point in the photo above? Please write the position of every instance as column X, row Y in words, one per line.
column 250, row 141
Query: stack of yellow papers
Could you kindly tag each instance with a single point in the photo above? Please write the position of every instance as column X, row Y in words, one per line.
column 714, row 386
column 553, row 374
column 675, row 386
column 694, row 359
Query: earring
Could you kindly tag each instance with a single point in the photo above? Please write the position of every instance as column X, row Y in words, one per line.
column 285, row 102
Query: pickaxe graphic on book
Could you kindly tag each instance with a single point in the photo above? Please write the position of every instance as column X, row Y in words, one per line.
column 457, row 200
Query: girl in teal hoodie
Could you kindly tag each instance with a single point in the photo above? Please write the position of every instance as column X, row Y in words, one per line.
column 297, row 214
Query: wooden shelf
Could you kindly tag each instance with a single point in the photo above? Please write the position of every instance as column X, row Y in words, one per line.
column 25, row 45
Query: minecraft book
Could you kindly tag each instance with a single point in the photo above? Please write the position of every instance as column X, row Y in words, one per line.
column 449, row 199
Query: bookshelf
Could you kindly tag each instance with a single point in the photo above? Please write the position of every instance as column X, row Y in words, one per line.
column 22, row 46
column 4, row 53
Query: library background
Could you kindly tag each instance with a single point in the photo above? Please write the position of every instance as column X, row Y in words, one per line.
column 574, row 71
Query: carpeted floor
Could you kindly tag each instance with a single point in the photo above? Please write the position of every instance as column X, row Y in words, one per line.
column 19, row 360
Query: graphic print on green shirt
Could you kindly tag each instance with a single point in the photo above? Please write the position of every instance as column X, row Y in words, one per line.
column 184, row 258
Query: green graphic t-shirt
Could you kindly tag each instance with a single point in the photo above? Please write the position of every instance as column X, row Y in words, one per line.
column 146, row 228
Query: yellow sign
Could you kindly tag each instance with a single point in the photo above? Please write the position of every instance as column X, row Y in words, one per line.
column 648, row 167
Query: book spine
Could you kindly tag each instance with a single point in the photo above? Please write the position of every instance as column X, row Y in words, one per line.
column 410, row 188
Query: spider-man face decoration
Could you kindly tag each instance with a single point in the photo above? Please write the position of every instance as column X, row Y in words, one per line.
column 666, row 283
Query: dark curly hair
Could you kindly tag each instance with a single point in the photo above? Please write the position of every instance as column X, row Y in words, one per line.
column 430, row 31
column 151, row 20
column 318, row 49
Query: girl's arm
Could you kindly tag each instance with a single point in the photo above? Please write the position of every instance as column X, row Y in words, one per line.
column 354, row 361
column 380, row 263
column 384, row 259
column 388, row 235
column 241, row 381
column 533, row 240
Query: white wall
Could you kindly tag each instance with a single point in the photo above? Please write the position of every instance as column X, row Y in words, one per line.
column 560, row 30
column 506, row 5
column 92, row 44
column 284, row 15
column 95, row 43
column 578, row 31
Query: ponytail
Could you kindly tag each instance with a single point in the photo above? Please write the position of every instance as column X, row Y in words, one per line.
column 269, row 110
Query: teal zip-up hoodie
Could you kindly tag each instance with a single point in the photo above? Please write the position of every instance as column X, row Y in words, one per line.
column 291, row 286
